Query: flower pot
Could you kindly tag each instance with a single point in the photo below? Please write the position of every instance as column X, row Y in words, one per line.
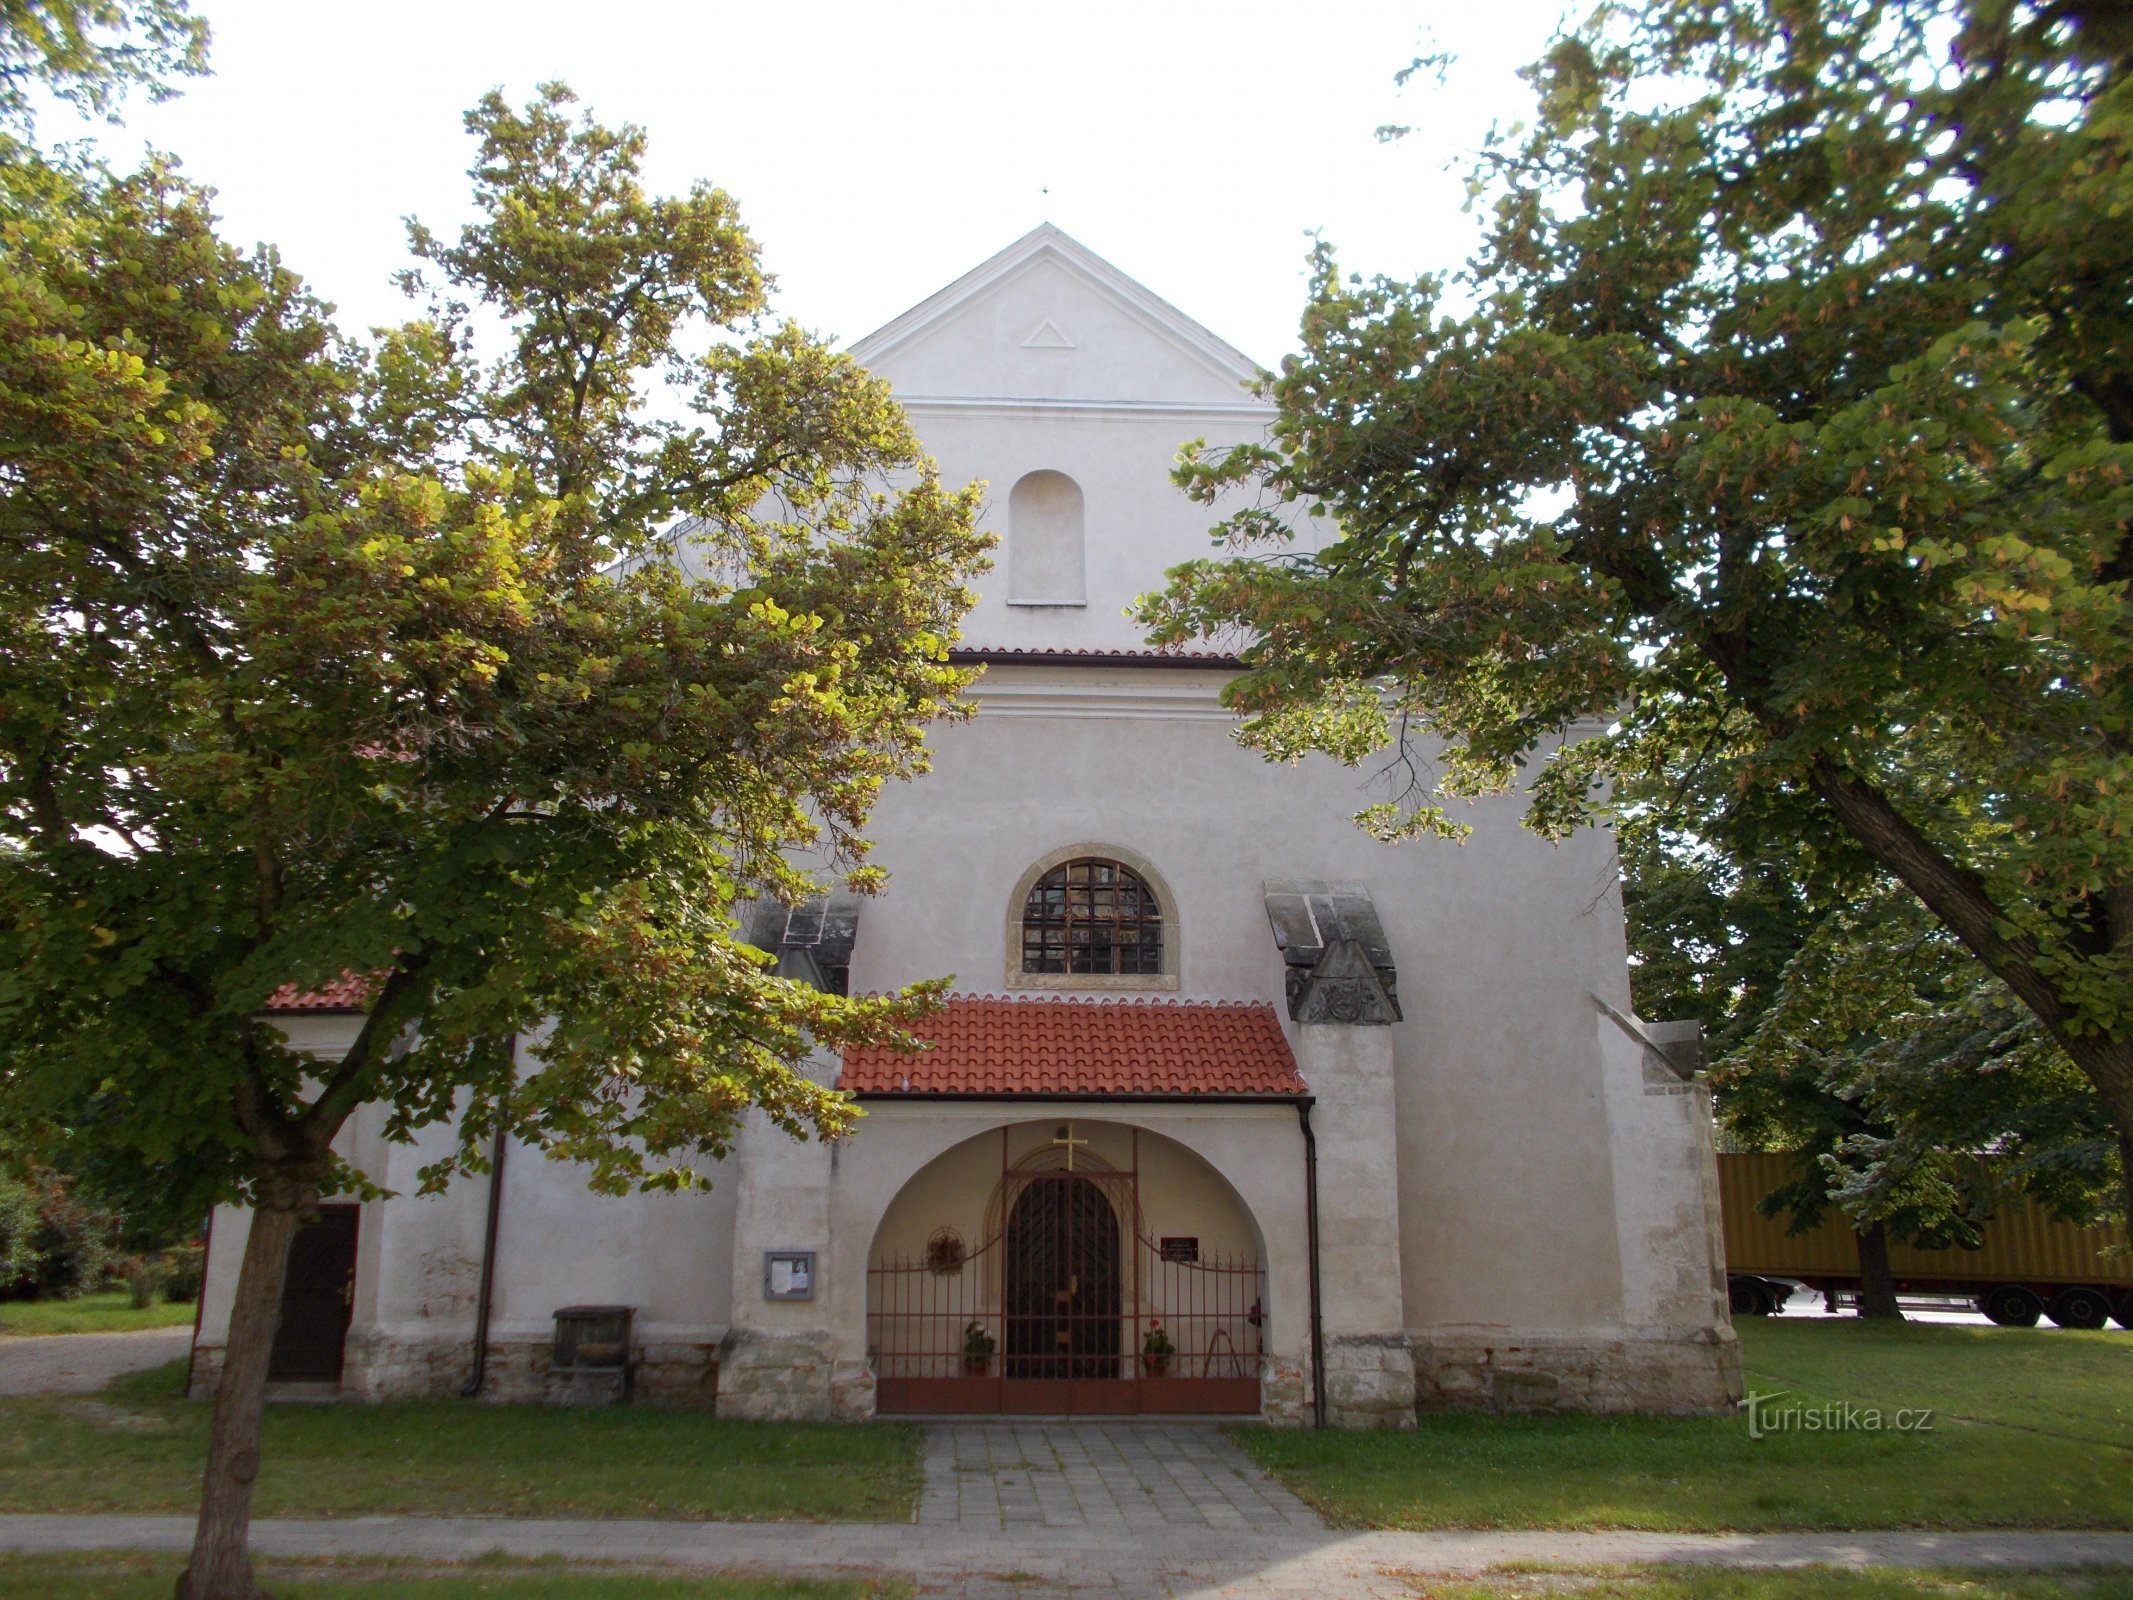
column 975, row 1365
column 1155, row 1366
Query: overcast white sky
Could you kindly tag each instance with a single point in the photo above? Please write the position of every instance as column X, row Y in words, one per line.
column 879, row 151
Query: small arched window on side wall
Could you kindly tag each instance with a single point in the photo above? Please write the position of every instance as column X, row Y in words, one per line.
column 1092, row 918
column 1044, row 542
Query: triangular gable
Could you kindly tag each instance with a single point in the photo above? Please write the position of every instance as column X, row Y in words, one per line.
column 1049, row 319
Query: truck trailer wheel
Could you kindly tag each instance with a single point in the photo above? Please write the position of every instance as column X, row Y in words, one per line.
column 1750, row 1297
column 2011, row 1306
column 2122, row 1313
column 2080, row 1308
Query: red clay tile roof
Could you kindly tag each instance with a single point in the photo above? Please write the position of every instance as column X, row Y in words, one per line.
column 1042, row 1048
column 351, row 991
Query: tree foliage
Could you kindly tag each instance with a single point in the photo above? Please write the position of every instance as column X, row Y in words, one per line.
column 1781, row 427
column 1857, row 1034
column 327, row 658
column 88, row 53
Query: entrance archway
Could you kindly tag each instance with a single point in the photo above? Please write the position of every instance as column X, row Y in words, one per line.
column 1066, row 1269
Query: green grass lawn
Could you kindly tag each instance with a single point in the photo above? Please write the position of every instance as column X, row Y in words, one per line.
column 92, row 1313
column 139, row 1447
column 122, row 1577
column 2032, row 1428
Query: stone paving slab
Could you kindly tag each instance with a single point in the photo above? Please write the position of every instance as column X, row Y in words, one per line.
column 1042, row 1563
column 1135, row 1476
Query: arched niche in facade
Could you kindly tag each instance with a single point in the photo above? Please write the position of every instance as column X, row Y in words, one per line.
column 1045, row 563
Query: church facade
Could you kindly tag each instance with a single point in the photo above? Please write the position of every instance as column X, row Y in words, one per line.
column 1234, row 1112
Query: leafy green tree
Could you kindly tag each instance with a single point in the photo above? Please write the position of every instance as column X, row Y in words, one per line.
column 1915, row 1092
column 325, row 659
column 1785, row 417
column 88, row 53
column 1860, row 1039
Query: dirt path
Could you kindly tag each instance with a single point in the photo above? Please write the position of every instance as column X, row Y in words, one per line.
column 82, row 1363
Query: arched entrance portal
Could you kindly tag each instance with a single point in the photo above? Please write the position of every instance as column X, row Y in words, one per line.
column 1061, row 1307
column 1066, row 1269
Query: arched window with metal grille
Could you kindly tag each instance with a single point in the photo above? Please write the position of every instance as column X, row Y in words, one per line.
column 1092, row 917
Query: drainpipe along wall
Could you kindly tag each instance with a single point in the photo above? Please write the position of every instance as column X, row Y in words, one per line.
column 1318, row 1328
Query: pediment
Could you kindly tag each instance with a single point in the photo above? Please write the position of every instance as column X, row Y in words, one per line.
column 1047, row 319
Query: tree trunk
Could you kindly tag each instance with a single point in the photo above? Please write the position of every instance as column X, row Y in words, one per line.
column 1877, row 1283
column 221, row 1567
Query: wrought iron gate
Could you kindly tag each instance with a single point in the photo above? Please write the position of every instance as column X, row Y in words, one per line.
column 1066, row 1307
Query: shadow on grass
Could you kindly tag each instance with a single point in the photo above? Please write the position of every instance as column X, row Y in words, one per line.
column 140, row 1447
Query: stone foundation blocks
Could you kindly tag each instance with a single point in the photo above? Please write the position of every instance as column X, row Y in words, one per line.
column 790, row 1378
column 1370, row 1382
column 1500, row 1370
column 1284, row 1395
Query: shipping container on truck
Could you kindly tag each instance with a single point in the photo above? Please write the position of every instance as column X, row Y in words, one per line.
column 2027, row 1265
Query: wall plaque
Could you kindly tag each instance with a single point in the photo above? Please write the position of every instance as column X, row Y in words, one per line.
column 788, row 1274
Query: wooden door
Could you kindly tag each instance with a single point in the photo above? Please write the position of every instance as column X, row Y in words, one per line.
column 317, row 1299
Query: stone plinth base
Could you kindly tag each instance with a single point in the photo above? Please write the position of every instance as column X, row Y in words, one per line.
column 682, row 1373
column 1370, row 1381
column 1499, row 1369
column 791, row 1378
column 206, row 1373
column 1284, row 1396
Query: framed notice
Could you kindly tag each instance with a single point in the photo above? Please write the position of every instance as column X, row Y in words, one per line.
column 788, row 1274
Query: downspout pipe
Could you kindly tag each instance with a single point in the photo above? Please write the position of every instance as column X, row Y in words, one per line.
column 1318, row 1324
column 486, row 1293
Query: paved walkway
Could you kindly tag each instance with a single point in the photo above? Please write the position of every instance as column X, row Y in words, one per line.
column 983, row 1477
column 82, row 1363
column 1038, row 1562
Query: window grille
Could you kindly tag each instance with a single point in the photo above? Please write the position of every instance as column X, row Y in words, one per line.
column 1092, row 917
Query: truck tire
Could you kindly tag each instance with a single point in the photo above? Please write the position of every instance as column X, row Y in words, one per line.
column 2011, row 1306
column 2080, row 1307
column 1749, row 1297
column 2122, row 1313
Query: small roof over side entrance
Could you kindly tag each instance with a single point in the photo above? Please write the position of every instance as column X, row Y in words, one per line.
column 1062, row 1049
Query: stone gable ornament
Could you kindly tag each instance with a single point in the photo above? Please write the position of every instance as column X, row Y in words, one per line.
column 1342, row 988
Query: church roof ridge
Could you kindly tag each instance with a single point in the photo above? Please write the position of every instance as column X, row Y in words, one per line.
column 1008, row 655
column 1047, row 239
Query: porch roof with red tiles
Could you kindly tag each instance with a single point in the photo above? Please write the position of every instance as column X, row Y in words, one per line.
column 351, row 991
column 983, row 1045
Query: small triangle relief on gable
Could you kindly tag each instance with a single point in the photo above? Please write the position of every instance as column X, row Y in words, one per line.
column 1047, row 337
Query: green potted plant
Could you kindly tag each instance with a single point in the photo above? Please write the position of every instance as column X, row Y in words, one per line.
column 1156, row 1349
column 977, row 1349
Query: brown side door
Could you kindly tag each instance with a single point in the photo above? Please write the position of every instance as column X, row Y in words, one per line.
column 317, row 1299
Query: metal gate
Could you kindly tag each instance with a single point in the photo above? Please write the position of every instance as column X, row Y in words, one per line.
column 1065, row 1307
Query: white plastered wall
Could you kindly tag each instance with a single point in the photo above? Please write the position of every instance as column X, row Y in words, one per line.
column 418, row 1256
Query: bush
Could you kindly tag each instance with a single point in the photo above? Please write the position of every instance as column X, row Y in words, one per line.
column 73, row 1246
column 18, row 1235
column 184, row 1265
